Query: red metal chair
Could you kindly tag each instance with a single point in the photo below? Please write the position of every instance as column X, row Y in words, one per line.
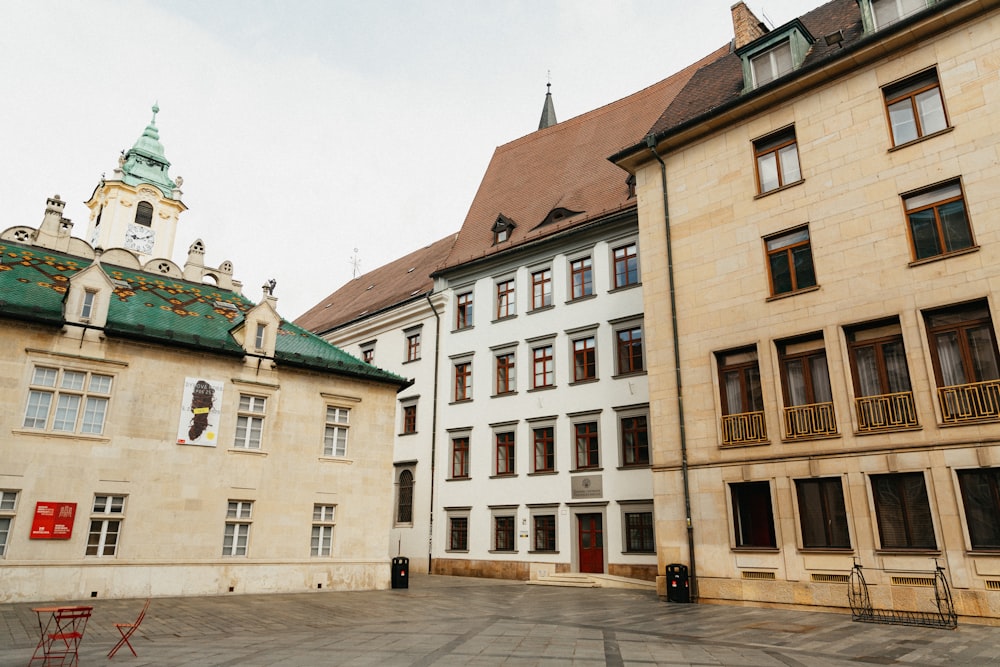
column 126, row 630
column 61, row 635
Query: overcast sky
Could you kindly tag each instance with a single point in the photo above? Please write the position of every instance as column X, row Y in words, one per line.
column 307, row 128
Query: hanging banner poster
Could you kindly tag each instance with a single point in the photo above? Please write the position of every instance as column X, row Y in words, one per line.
column 201, row 405
column 53, row 521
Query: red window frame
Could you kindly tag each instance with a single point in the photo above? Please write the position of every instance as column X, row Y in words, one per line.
column 635, row 440
column 505, row 373
column 544, row 447
column 584, row 359
column 409, row 419
column 541, row 289
column 587, row 451
column 505, row 453
column 629, row 341
column 505, row 298
column 463, row 315
column 460, row 458
column 413, row 347
column 626, row 265
column 582, row 277
column 463, row 381
column 543, row 367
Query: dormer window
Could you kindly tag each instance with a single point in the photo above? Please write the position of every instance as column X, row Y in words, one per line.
column 887, row 12
column 144, row 214
column 87, row 308
column 557, row 214
column 502, row 228
column 258, row 340
column 771, row 64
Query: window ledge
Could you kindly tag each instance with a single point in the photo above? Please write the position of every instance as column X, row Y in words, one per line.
column 504, row 318
column 760, row 550
column 458, row 479
column 921, row 139
column 251, row 452
column 781, row 189
column 971, row 422
column 983, row 552
column 629, row 374
column 532, row 551
column 61, row 435
column 503, row 551
column 459, row 402
column 336, row 459
column 594, row 469
column 836, row 551
column 456, row 551
column 625, row 287
column 545, row 388
column 640, row 553
column 411, row 361
column 737, row 445
column 636, row 466
column 505, row 476
column 468, row 328
column 404, row 434
column 538, row 473
column 810, row 438
column 944, row 255
column 541, row 309
column 584, row 381
column 585, row 297
column 897, row 429
column 506, row 393
column 906, row 552
column 785, row 295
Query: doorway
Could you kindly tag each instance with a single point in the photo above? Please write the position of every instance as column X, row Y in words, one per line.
column 591, row 543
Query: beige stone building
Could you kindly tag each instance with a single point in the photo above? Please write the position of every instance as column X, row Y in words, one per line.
column 830, row 193
column 161, row 434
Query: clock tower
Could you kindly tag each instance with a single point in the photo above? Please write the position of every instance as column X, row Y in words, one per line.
column 138, row 207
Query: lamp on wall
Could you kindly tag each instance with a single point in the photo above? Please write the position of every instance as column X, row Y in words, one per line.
column 835, row 38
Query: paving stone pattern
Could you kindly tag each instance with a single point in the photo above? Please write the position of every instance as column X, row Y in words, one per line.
column 464, row 621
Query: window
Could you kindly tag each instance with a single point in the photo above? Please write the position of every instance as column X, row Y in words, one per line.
column 404, row 498
column 505, row 453
column 789, row 261
column 544, row 532
column 87, row 308
column 460, row 458
column 413, row 346
column 544, row 447
column 981, row 499
column 584, row 359
column 505, row 299
column 635, row 440
column 144, row 214
column 409, row 419
column 771, row 64
column 502, row 228
column 503, row 533
column 805, row 380
column 250, row 422
column 629, row 341
column 903, row 512
column 463, row 381
column 626, row 261
column 541, row 289
column 741, row 399
column 822, row 514
column 544, row 367
column 80, row 397
column 368, row 354
column 463, row 311
column 335, row 434
column 322, row 530
column 883, row 398
column 915, row 108
column 505, row 373
column 458, row 533
column 887, row 12
column 587, row 454
column 105, row 525
column 259, row 338
column 964, row 352
column 8, row 503
column 777, row 158
column 753, row 518
column 639, row 532
column 937, row 221
column 237, row 535
column 582, row 277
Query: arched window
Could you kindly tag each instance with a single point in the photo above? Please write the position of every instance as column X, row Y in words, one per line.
column 144, row 214
column 404, row 499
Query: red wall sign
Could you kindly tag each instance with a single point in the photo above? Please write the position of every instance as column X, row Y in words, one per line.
column 53, row 521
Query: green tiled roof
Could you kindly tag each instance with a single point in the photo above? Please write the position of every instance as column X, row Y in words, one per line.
column 34, row 282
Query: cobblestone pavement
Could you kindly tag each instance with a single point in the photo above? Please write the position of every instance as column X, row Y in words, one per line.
column 443, row 620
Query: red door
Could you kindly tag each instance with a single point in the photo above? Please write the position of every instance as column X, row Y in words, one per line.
column 591, row 543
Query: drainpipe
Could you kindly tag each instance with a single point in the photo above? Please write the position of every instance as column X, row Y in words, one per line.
column 434, row 420
column 651, row 144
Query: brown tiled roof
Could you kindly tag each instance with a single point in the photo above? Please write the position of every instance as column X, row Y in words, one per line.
column 403, row 280
column 563, row 166
column 720, row 82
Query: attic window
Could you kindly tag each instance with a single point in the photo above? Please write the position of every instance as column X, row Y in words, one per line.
column 502, row 228
column 774, row 54
column 120, row 284
column 222, row 305
column 887, row 12
column 144, row 214
column 771, row 64
column 630, row 184
column 557, row 214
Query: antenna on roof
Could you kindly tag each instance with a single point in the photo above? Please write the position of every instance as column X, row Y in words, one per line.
column 767, row 19
column 355, row 264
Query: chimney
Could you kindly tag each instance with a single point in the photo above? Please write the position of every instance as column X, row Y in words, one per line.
column 746, row 26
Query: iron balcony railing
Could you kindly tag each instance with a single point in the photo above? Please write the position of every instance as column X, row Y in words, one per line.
column 745, row 428
column 810, row 421
column 963, row 403
column 886, row 412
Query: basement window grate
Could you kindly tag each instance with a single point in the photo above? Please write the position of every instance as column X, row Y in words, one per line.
column 913, row 581
column 821, row 578
column 992, row 585
column 760, row 576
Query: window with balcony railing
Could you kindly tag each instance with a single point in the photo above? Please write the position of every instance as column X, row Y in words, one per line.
column 883, row 399
column 966, row 367
column 805, row 382
column 742, row 401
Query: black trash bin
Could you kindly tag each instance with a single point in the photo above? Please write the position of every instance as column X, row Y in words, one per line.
column 400, row 572
column 677, row 583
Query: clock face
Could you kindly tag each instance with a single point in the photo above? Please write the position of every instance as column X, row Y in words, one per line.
column 139, row 238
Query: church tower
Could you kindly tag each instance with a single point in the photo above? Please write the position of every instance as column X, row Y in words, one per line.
column 138, row 207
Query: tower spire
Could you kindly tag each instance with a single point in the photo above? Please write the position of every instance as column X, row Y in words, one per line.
column 548, row 109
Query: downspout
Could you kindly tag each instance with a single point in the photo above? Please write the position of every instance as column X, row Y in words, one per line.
column 434, row 419
column 651, row 144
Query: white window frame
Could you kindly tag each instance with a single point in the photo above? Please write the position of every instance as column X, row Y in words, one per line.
column 67, row 400
column 8, row 508
column 336, row 431
column 239, row 520
column 88, row 304
column 251, row 413
column 106, row 520
column 323, row 523
column 774, row 70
